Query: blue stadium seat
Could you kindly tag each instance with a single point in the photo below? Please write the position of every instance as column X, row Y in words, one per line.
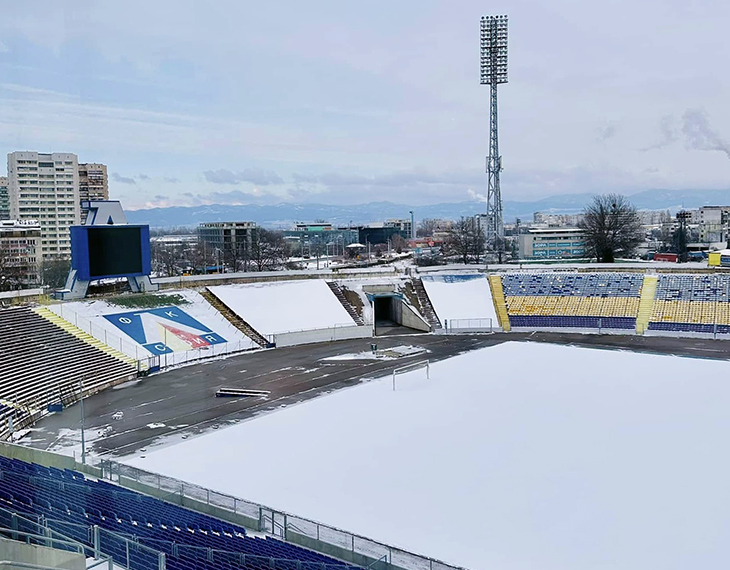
column 70, row 503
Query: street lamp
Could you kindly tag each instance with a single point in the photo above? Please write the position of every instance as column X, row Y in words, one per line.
column 83, row 438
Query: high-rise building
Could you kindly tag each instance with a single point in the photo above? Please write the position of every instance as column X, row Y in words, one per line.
column 4, row 200
column 93, row 182
column 45, row 187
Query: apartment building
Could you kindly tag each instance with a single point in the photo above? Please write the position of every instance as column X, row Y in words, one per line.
column 19, row 252
column 4, row 199
column 45, row 187
column 93, row 182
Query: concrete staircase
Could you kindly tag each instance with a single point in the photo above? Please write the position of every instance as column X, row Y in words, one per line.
column 427, row 309
column 234, row 319
column 87, row 338
column 337, row 290
column 646, row 303
column 500, row 304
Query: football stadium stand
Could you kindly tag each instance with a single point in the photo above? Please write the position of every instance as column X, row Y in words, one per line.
column 42, row 364
column 573, row 300
column 692, row 303
column 136, row 530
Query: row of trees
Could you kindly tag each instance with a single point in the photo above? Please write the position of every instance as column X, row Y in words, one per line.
column 265, row 251
column 611, row 225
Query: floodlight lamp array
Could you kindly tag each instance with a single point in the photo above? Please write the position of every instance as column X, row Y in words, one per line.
column 493, row 50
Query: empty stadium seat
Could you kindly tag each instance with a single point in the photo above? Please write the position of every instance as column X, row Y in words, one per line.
column 573, row 300
column 188, row 538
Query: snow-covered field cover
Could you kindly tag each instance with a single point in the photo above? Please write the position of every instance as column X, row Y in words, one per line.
column 519, row 456
column 459, row 298
column 179, row 336
column 285, row 306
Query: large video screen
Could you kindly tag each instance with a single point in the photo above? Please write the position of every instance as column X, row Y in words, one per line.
column 110, row 251
column 115, row 251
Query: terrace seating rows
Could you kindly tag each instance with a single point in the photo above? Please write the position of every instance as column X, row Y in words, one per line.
column 40, row 363
column 573, row 322
column 692, row 303
column 572, row 284
column 71, row 504
column 572, row 300
column 570, row 306
column 713, row 288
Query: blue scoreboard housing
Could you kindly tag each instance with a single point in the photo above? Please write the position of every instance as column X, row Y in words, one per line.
column 101, row 252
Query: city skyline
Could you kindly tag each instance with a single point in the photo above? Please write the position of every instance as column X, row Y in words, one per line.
column 329, row 104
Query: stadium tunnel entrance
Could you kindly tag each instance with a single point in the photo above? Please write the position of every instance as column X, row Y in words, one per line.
column 393, row 314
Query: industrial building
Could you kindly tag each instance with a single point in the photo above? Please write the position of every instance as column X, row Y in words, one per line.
column 552, row 243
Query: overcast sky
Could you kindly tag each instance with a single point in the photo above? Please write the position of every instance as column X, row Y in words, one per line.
column 192, row 102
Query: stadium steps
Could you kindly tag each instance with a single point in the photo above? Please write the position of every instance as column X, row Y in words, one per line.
column 337, row 290
column 87, row 338
column 234, row 319
column 41, row 363
column 427, row 310
column 500, row 305
column 648, row 292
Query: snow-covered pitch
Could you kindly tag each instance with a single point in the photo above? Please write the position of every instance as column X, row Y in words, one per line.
column 285, row 306
column 518, row 456
column 460, row 297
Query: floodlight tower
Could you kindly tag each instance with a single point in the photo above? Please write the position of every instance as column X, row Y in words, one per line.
column 493, row 72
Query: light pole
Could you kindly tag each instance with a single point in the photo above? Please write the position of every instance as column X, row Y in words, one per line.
column 493, row 72
column 413, row 226
column 83, row 437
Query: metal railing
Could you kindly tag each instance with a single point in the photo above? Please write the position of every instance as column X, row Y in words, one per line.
column 295, row 529
column 411, row 367
column 471, row 325
column 21, row 528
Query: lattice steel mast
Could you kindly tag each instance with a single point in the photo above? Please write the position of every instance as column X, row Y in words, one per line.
column 494, row 72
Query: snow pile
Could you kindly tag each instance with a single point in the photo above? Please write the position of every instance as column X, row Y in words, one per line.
column 285, row 306
column 176, row 333
column 514, row 456
column 460, row 297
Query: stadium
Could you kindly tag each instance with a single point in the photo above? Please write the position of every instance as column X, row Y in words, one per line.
column 381, row 418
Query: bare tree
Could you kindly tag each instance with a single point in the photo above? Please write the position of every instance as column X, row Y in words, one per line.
column 465, row 241
column 166, row 258
column 612, row 228
column 268, row 250
column 54, row 272
column 426, row 227
column 399, row 243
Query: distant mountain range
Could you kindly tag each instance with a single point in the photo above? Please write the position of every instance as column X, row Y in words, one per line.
column 283, row 215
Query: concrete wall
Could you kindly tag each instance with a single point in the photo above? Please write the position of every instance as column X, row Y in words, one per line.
column 411, row 318
column 321, row 335
column 255, row 277
column 16, row 551
column 46, row 458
